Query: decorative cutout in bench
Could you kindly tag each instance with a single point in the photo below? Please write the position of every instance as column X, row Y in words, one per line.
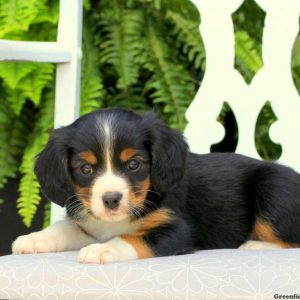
column 272, row 82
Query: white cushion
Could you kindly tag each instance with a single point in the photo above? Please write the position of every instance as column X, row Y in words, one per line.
column 217, row 274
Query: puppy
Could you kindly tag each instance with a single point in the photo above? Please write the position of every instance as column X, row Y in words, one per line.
column 132, row 190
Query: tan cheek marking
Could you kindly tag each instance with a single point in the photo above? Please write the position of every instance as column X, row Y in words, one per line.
column 83, row 194
column 264, row 231
column 89, row 157
column 137, row 198
column 127, row 153
column 140, row 246
column 157, row 218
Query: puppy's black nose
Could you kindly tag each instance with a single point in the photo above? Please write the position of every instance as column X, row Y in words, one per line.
column 111, row 200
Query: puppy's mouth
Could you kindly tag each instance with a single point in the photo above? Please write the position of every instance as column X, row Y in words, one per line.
column 109, row 215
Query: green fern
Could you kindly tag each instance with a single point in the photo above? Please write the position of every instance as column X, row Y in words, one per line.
column 29, row 189
column 48, row 13
column 266, row 148
column 248, row 60
column 17, row 15
column 121, row 31
column 12, row 72
column 92, row 89
column 188, row 38
column 130, row 98
column 13, row 138
column 171, row 85
column 16, row 99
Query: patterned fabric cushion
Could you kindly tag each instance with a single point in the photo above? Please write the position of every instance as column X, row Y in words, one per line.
column 218, row 274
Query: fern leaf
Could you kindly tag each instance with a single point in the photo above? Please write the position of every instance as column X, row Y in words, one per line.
column 29, row 197
column 33, row 84
column 121, row 42
column 17, row 15
column 188, row 38
column 13, row 72
column 92, row 89
column 16, row 100
column 248, row 60
column 48, row 12
column 29, row 190
column 13, row 139
column 130, row 98
column 171, row 85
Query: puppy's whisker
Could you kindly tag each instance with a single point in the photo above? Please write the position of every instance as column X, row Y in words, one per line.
column 139, row 191
column 136, row 186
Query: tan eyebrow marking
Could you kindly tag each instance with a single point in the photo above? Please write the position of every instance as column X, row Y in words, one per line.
column 89, row 157
column 127, row 153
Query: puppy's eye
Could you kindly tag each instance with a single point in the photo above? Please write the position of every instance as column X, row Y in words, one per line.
column 86, row 169
column 133, row 164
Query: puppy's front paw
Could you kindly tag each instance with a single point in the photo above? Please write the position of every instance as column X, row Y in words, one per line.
column 37, row 242
column 97, row 254
column 112, row 251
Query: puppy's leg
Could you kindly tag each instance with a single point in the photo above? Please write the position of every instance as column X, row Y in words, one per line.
column 61, row 236
column 167, row 239
column 122, row 248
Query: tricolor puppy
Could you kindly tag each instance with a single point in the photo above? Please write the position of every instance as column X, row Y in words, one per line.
column 133, row 190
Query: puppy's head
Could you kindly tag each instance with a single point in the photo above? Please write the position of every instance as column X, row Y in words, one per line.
column 111, row 164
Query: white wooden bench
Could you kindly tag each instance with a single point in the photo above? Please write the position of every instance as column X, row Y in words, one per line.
column 218, row 274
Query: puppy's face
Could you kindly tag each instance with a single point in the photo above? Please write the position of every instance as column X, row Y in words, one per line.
column 111, row 172
column 111, row 164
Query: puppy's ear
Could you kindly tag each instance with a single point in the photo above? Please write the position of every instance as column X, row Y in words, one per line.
column 51, row 169
column 169, row 151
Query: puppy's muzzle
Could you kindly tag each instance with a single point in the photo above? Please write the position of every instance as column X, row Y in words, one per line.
column 111, row 200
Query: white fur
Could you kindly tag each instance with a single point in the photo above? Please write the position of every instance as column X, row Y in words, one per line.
column 109, row 182
column 61, row 236
column 258, row 245
column 112, row 251
column 106, row 230
column 67, row 235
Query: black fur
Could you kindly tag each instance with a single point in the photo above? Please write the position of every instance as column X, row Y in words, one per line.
column 215, row 198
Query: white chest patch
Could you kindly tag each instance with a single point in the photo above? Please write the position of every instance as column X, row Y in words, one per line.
column 104, row 231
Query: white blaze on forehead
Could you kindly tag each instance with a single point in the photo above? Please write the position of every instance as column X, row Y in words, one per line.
column 108, row 181
column 108, row 146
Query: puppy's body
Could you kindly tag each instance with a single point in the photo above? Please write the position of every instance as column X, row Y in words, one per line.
column 133, row 190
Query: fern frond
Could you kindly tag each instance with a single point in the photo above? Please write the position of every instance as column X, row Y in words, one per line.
column 171, row 85
column 29, row 197
column 33, row 84
column 16, row 99
column 92, row 89
column 266, row 148
column 188, row 38
column 29, row 190
column 248, row 60
column 130, row 98
column 13, row 72
column 49, row 12
column 121, row 42
column 13, row 139
column 17, row 15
